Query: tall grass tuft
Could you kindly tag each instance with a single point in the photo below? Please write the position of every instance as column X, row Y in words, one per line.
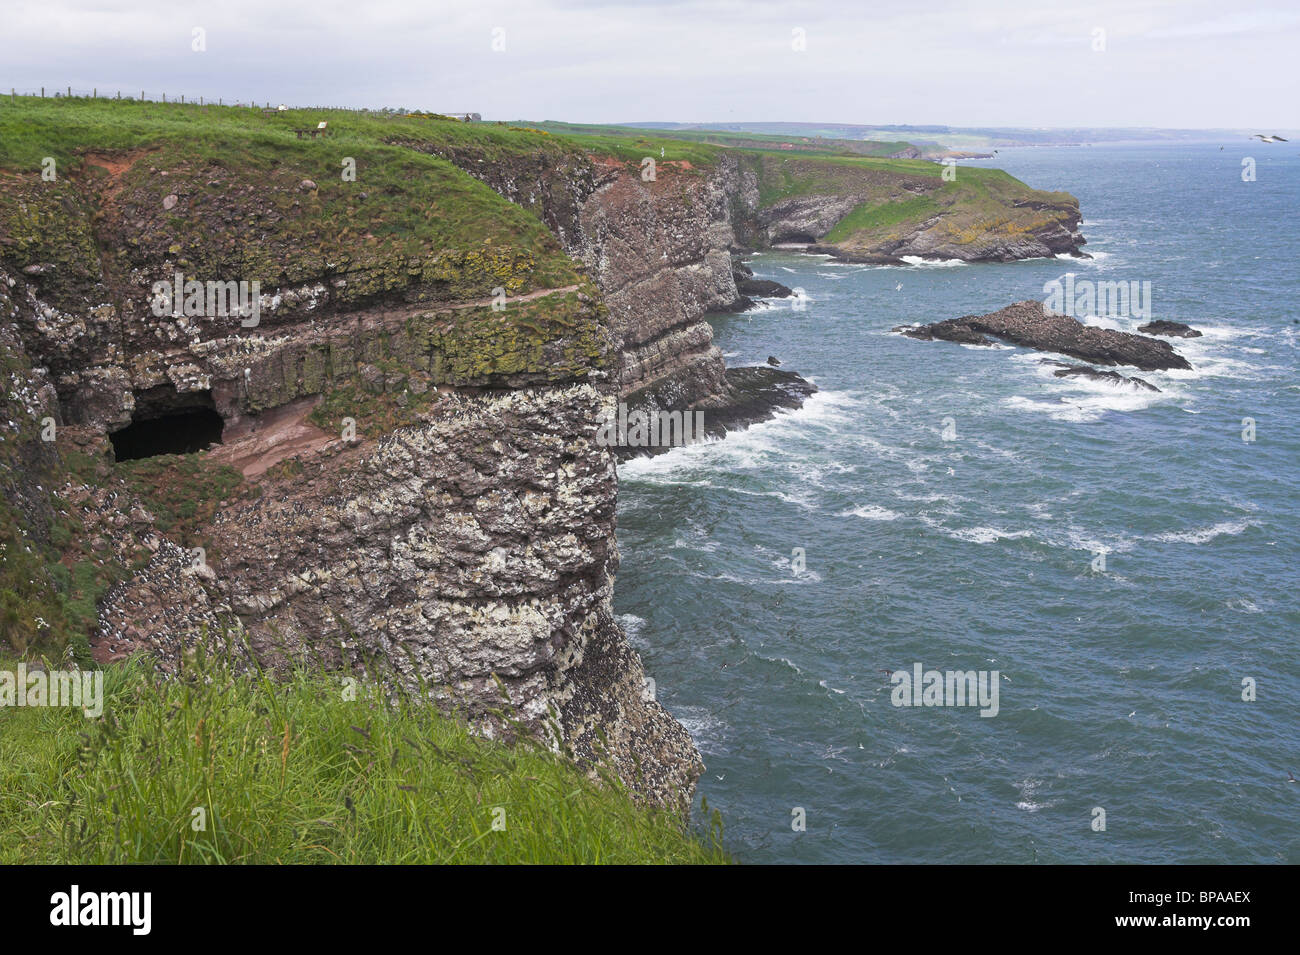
column 223, row 765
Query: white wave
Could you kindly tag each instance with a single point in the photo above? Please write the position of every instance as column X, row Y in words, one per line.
column 1028, row 792
column 1097, row 257
column 707, row 730
column 1244, row 605
column 697, row 542
column 1218, row 367
column 1078, row 539
column 974, row 535
column 930, row 498
column 1218, row 333
column 823, row 413
column 1084, row 408
column 872, row 512
column 1203, row 535
column 790, row 578
column 917, row 260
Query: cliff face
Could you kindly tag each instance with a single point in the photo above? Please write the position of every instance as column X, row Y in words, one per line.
column 660, row 250
column 408, row 481
column 408, row 478
column 882, row 212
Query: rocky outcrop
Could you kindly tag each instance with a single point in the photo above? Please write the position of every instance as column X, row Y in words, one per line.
column 1092, row 374
column 866, row 212
column 1169, row 329
column 1031, row 325
column 448, row 520
column 748, row 288
column 661, row 250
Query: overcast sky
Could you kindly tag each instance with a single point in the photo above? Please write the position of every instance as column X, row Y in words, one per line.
column 1176, row 63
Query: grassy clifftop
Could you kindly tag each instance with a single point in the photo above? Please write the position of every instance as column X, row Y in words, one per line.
column 628, row 139
column 215, row 767
column 898, row 199
column 249, row 199
column 418, row 207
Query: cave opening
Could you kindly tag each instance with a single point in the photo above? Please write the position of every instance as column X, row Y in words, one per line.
column 166, row 421
column 795, row 238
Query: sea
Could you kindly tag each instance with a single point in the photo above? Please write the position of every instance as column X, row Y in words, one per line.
column 1122, row 565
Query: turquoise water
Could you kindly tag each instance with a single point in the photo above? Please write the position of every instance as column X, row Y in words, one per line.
column 1119, row 689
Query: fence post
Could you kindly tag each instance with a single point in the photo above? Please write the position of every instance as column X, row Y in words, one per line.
column 164, row 97
column 94, row 92
column 42, row 92
column 69, row 92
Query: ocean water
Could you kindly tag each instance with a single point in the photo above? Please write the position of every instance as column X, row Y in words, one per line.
column 1119, row 689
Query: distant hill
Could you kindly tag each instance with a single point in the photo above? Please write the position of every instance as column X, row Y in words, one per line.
column 933, row 139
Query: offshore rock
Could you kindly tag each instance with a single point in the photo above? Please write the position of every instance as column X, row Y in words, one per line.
column 1031, row 325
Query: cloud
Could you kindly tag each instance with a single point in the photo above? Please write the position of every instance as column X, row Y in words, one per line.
column 953, row 61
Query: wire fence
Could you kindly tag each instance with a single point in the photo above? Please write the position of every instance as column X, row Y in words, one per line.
column 147, row 96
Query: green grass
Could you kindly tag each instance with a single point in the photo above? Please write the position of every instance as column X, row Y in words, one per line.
column 65, row 128
column 636, row 145
column 727, row 138
column 183, row 491
column 239, row 173
column 293, row 772
column 900, row 195
column 873, row 217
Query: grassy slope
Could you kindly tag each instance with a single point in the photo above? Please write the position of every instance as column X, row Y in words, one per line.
column 415, row 205
column 800, row 144
column 977, row 203
column 292, row 772
column 421, row 203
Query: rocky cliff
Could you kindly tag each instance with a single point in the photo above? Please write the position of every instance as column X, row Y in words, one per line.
column 407, row 482
column 404, row 475
column 661, row 249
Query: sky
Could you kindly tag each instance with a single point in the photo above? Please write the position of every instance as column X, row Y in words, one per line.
column 1166, row 63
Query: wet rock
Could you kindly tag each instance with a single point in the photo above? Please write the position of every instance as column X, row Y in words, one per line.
column 1111, row 377
column 1170, row 329
column 764, row 288
column 1030, row 325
